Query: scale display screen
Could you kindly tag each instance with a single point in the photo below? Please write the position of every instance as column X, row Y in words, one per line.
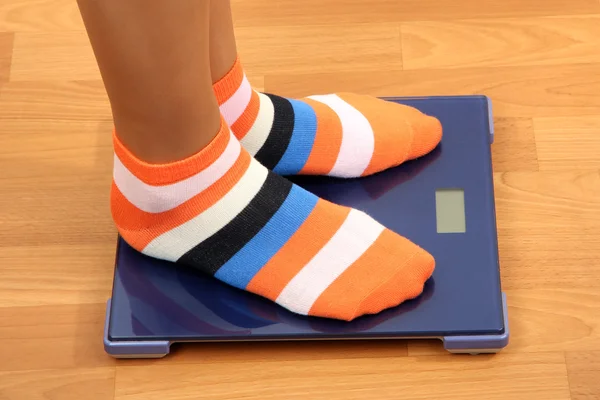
column 450, row 211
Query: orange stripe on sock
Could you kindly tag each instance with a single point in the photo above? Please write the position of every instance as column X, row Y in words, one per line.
column 139, row 228
column 164, row 174
column 360, row 290
column 320, row 226
column 241, row 127
column 391, row 129
column 225, row 87
column 328, row 140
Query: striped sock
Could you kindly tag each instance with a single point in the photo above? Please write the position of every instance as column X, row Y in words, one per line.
column 225, row 214
column 342, row 135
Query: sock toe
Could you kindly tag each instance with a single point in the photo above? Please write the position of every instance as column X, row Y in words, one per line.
column 427, row 135
column 393, row 270
column 405, row 284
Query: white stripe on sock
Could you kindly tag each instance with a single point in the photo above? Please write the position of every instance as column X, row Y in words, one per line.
column 358, row 141
column 235, row 106
column 173, row 244
column 156, row 199
column 353, row 238
column 257, row 135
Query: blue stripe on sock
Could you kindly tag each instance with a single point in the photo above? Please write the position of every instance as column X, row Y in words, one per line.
column 303, row 138
column 241, row 268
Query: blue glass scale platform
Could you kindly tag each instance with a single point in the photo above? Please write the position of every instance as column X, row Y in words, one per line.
column 444, row 202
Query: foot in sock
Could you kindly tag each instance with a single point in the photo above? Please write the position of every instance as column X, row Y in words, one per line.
column 342, row 135
column 225, row 214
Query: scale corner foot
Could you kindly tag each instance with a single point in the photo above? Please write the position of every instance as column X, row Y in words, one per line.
column 132, row 348
column 480, row 344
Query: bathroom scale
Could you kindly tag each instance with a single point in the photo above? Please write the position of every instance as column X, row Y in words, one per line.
column 443, row 202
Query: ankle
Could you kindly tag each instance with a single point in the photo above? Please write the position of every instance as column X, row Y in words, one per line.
column 166, row 137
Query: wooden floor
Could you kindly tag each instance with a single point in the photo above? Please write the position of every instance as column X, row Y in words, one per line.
column 539, row 61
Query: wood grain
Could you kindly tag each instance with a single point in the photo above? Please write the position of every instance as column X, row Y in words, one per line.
column 79, row 154
column 522, row 91
column 63, row 15
column 565, row 143
column 40, row 56
column 509, row 377
column 554, row 320
column 528, row 206
column 541, row 320
column 52, row 337
column 514, row 146
column 333, row 12
column 92, row 384
column 261, row 352
column 39, row 15
column 501, row 42
column 65, row 100
column 72, row 274
column 274, row 49
column 6, row 47
column 47, row 207
column 584, row 370
column 538, row 62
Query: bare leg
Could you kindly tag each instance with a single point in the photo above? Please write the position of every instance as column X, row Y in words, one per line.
column 223, row 51
column 154, row 60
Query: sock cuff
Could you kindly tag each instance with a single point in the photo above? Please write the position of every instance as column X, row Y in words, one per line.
column 165, row 174
column 225, row 87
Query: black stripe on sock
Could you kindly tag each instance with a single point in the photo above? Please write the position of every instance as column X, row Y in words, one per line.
column 215, row 251
column 280, row 135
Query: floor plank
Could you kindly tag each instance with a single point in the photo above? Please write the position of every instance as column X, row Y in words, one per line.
column 260, row 352
column 584, row 370
column 6, row 49
column 274, row 49
column 538, row 62
column 31, row 102
column 79, row 156
column 541, row 321
column 549, row 227
column 63, row 15
column 52, row 56
column 501, row 42
column 92, row 384
column 290, row 12
column 39, row 15
column 566, row 143
column 52, row 337
column 60, row 219
column 506, row 377
column 61, row 273
column 525, row 91
column 554, row 320
column 514, row 147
